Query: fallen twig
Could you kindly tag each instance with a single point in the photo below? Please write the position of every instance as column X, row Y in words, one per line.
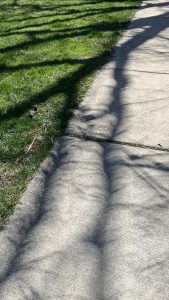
column 28, row 150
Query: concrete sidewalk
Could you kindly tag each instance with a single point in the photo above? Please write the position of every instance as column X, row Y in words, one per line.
column 128, row 101
column 93, row 223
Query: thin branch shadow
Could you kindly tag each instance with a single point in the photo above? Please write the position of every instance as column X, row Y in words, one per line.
column 82, row 190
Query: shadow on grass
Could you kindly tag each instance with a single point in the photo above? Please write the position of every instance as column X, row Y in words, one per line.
column 67, row 85
column 71, row 227
column 70, row 13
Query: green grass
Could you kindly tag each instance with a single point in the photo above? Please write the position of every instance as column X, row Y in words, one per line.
column 49, row 52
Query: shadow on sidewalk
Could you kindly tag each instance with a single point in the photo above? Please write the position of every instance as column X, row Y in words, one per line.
column 71, row 223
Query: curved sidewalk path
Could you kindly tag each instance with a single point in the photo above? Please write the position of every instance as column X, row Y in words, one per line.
column 94, row 222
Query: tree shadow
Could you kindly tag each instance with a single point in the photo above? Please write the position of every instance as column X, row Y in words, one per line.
column 70, row 82
column 88, row 13
column 83, row 207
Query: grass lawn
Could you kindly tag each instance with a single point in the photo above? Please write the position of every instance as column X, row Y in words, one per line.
column 49, row 52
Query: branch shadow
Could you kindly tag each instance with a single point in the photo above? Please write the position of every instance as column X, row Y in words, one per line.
column 73, row 227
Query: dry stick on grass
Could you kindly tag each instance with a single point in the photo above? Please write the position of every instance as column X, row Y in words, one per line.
column 28, row 150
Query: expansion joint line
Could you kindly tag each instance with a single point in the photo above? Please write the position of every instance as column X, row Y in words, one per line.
column 111, row 141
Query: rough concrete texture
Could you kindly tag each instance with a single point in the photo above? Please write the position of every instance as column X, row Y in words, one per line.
column 98, row 229
column 128, row 100
column 93, row 223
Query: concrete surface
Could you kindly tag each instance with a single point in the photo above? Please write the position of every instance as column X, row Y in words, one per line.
column 128, row 100
column 93, row 223
column 98, row 230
